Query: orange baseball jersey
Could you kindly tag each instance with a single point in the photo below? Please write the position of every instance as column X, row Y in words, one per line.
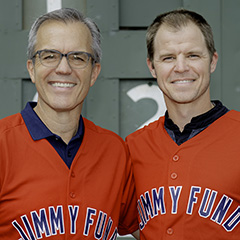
column 191, row 191
column 40, row 197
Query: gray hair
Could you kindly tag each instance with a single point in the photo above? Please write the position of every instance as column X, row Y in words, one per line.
column 66, row 15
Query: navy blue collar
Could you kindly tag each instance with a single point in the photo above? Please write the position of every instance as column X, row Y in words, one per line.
column 202, row 120
column 197, row 124
column 38, row 129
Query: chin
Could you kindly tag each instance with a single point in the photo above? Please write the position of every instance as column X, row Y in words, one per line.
column 61, row 106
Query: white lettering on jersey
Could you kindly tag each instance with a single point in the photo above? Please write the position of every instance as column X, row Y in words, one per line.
column 43, row 224
column 153, row 202
column 207, row 203
column 73, row 212
column 192, row 199
column 175, row 195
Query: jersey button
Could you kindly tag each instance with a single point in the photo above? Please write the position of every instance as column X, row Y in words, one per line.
column 174, row 176
column 69, row 154
column 73, row 175
column 175, row 158
column 72, row 195
column 169, row 231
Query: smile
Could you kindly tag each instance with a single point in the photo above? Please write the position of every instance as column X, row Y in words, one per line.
column 63, row 85
column 183, row 81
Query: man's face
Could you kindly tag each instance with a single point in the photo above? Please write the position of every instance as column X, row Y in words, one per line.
column 182, row 64
column 62, row 88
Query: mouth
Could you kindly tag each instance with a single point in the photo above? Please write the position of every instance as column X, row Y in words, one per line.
column 182, row 81
column 63, row 84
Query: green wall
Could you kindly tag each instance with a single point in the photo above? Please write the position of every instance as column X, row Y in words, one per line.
column 123, row 25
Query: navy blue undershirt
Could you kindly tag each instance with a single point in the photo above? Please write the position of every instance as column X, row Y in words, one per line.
column 196, row 125
column 38, row 131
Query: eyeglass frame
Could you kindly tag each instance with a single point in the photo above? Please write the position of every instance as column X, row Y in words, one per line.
column 62, row 55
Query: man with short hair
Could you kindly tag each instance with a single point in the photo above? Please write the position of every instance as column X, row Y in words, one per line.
column 186, row 164
column 61, row 176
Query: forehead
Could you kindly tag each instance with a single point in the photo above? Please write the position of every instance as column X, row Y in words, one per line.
column 55, row 34
column 187, row 34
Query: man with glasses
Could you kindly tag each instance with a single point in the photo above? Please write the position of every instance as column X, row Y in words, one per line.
column 61, row 176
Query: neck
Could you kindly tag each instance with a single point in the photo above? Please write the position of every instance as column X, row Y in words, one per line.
column 64, row 123
column 182, row 114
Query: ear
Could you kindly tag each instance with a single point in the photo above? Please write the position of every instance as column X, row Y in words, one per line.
column 95, row 72
column 30, row 68
column 151, row 68
column 213, row 64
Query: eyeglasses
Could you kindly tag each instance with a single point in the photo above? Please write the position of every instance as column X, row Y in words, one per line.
column 52, row 58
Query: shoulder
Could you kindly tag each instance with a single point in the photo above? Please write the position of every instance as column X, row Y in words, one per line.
column 233, row 115
column 98, row 132
column 146, row 130
column 228, row 123
column 230, row 120
column 11, row 123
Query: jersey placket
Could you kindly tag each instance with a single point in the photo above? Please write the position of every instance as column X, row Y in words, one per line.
column 176, row 175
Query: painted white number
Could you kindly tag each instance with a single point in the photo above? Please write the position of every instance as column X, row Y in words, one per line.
column 149, row 91
column 53, row 5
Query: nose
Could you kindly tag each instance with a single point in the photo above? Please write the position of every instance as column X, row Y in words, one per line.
column 181, row 64
column 63, row 67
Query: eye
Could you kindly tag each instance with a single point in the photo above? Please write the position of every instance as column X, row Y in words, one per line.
column 193, row 56
column 49, row 56
column 168, row 59
column 45, row 55
column 78, row 57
